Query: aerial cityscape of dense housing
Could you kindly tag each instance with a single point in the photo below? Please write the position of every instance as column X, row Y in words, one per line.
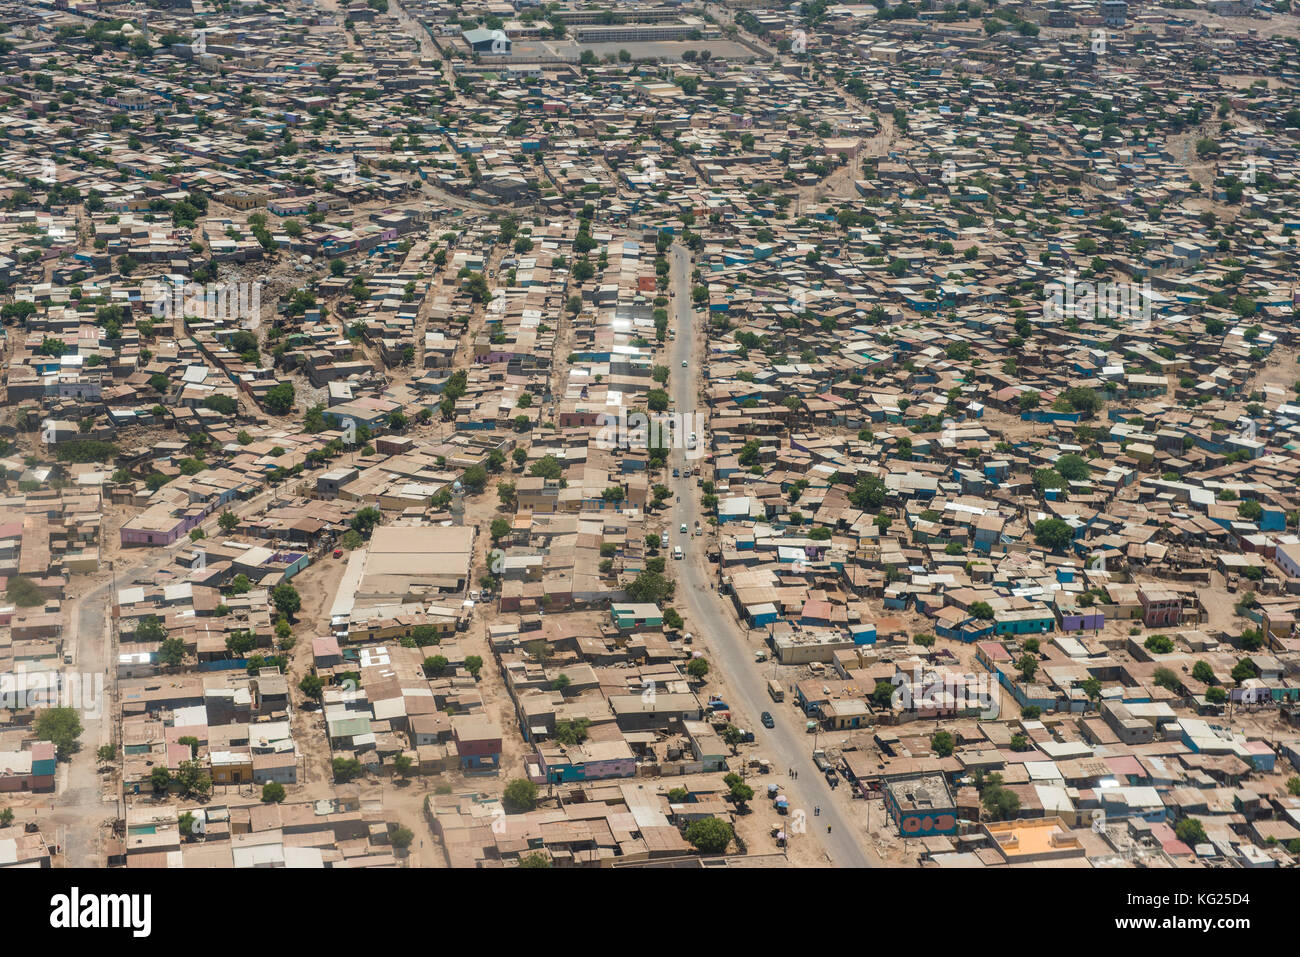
column 442, row 433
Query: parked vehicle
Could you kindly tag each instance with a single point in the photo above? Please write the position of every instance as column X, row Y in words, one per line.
column 775, row 690
column 338, row 553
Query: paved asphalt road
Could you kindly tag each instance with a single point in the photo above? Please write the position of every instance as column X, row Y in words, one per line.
column 787, row 745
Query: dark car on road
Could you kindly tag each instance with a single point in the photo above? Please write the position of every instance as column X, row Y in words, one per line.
column 766, row 719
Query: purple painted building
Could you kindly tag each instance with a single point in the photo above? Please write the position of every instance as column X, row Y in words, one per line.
column 1080, row 619
column 156, row 527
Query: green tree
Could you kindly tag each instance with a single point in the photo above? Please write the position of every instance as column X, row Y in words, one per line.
column 279, row 398
column 1072, row 467
column 740, row 792
column 650, row 587
column 241, row 642
column 1082, row 399
column 999, row 803
column 425, row 635
column 1053, row 533
column 345, row 769
column 192, row 779
column 520, row 795
column 61, row 726
column 709, row 835
column 572, row 732
column 1190, row 831
column 1159, row 644
column 883, row 694
column 547, row 467
column 172, row 651
column 272, row 792
column 732, row 736
column 698, row 668
column 1166, row 678
column 160, row 779
column 365, row 520
column 1027, row 665
column 942, row 743
column 24, row 592
column 868, row 494
column 286, row 599
column 1244, row 670
column 312, row 686
column 474, row 479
